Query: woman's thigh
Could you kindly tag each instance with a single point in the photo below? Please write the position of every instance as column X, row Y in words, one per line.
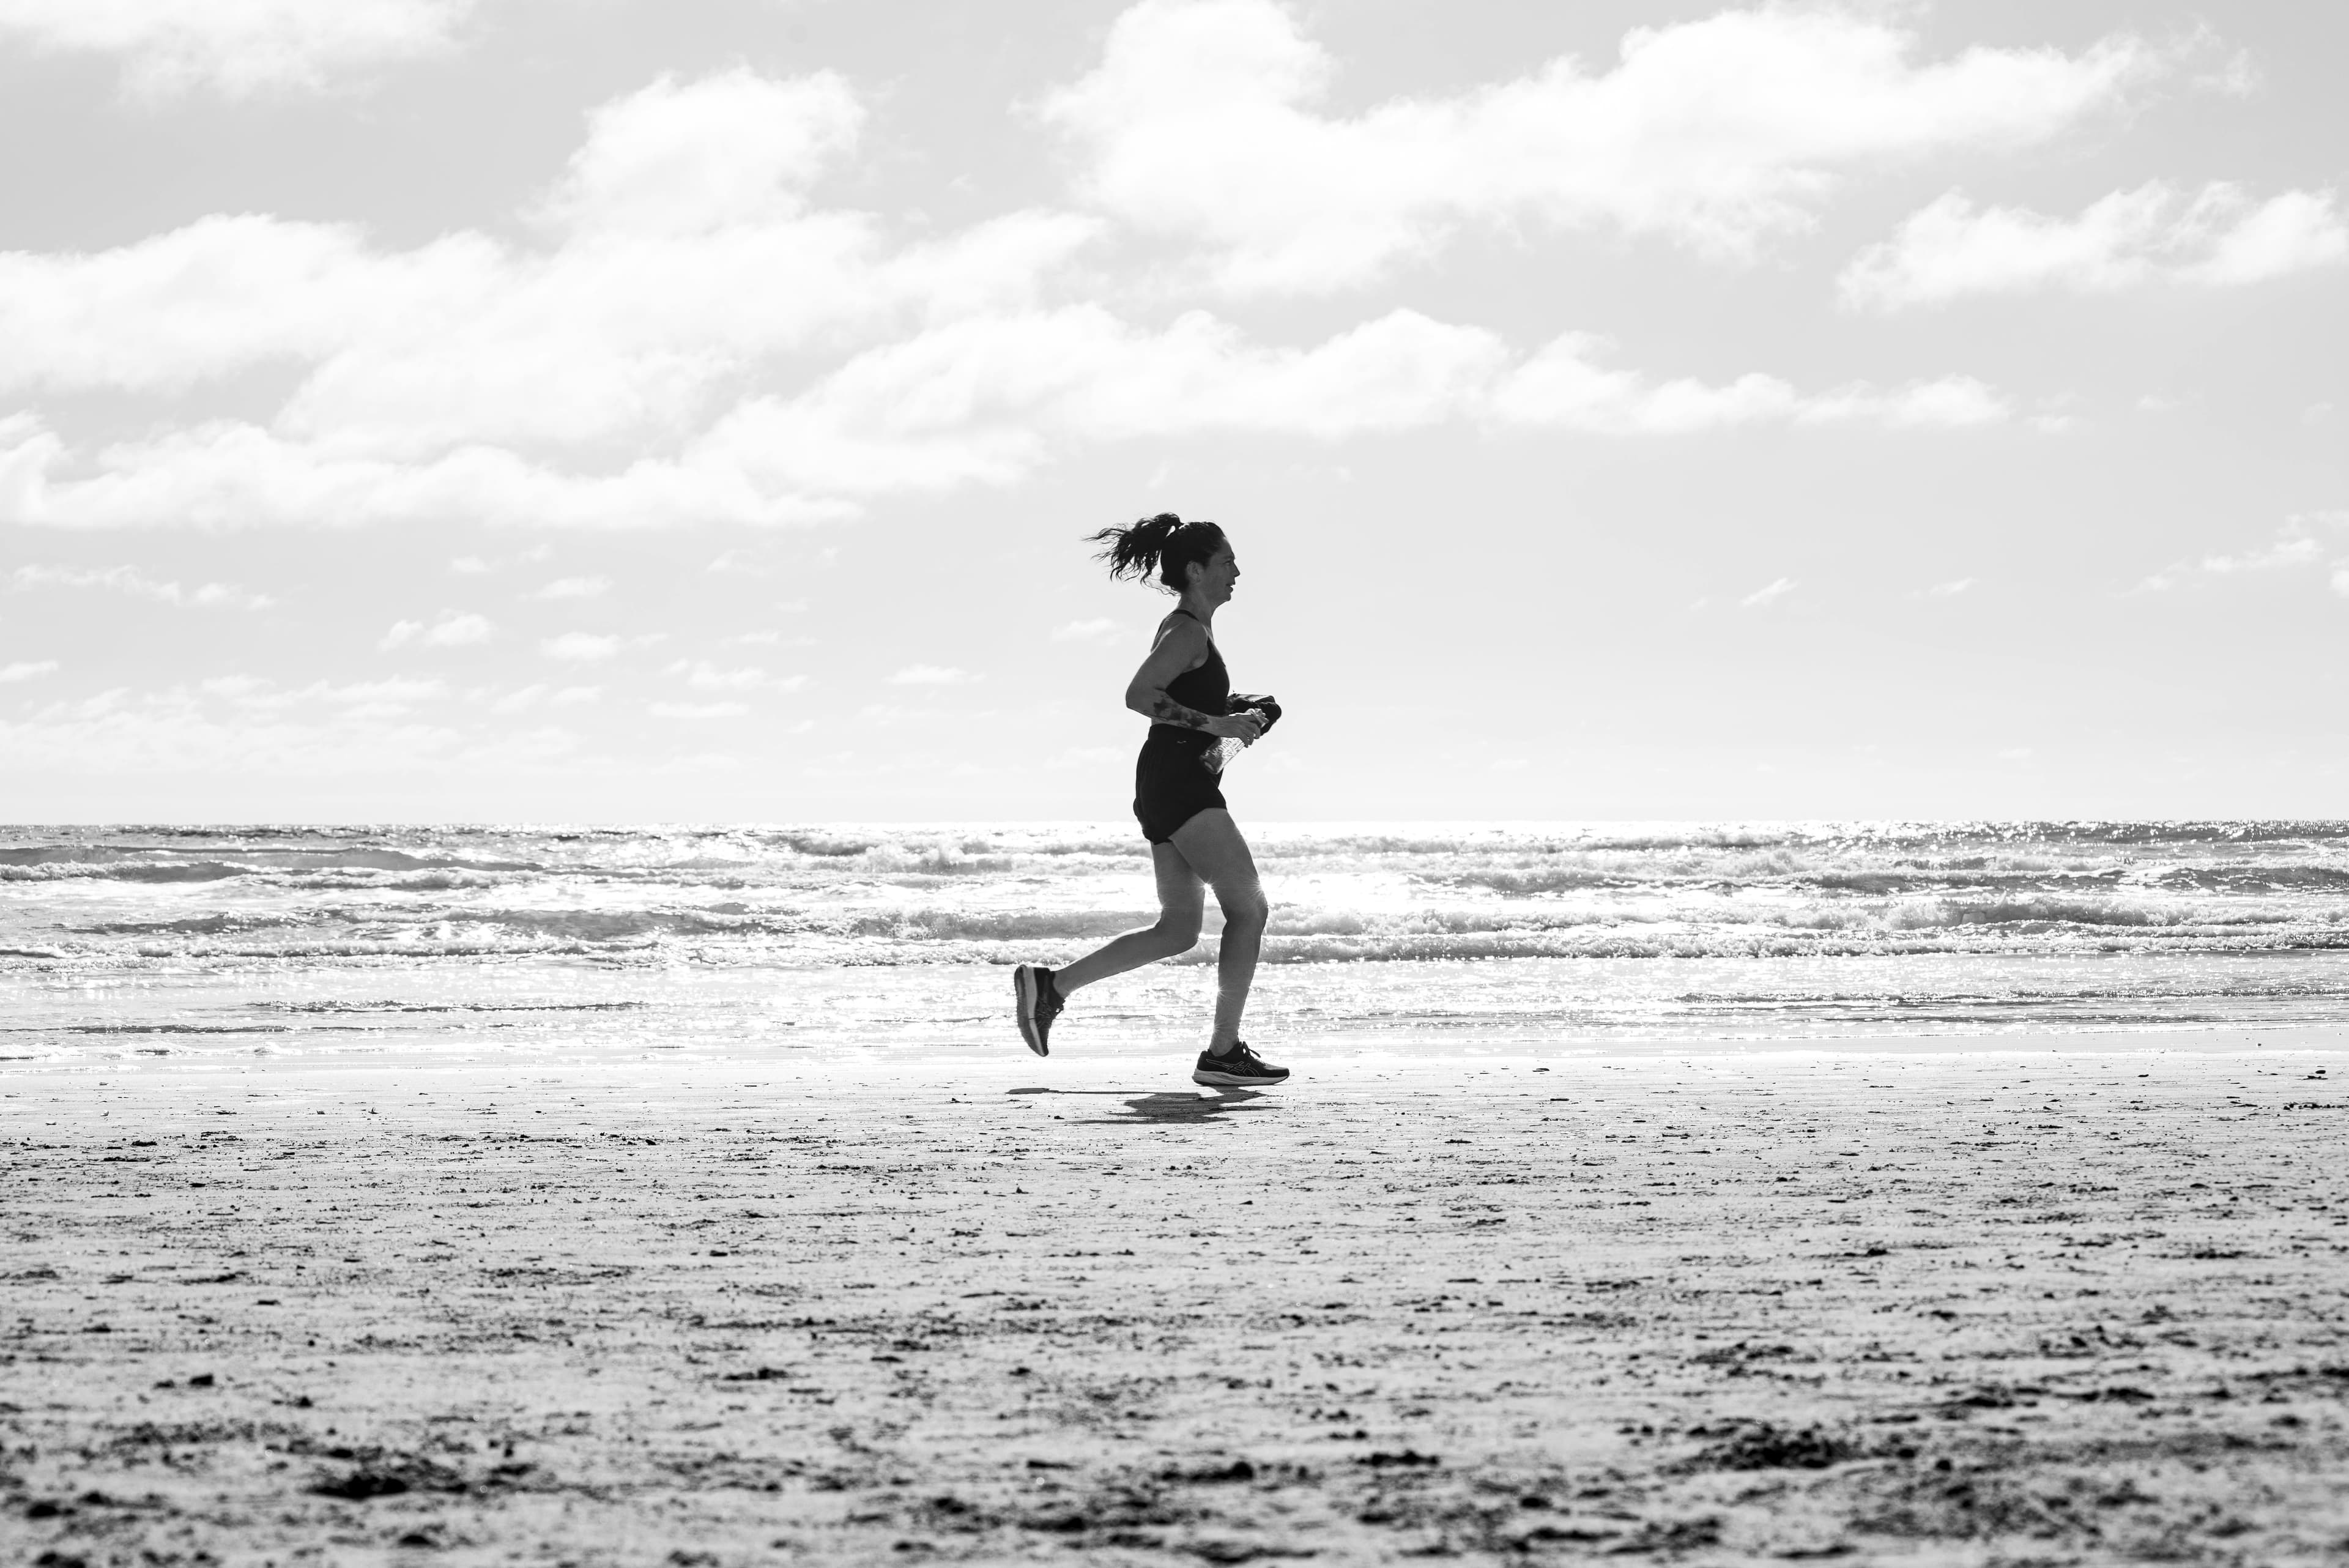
column 1211, row 843
column 1182, row 896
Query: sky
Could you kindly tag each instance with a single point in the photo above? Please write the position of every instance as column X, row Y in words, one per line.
column 604, row 411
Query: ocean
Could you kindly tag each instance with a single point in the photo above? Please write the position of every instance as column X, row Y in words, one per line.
column 128, row 944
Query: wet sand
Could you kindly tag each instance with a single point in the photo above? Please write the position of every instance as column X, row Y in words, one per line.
column 1904, row 1306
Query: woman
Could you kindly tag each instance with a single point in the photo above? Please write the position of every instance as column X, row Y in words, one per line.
column 1186, row 692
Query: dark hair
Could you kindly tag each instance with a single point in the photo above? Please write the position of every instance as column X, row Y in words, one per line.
column 1164, row 544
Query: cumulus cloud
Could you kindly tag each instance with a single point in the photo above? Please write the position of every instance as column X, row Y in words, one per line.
column 1567, row 385
column 1085, row 631
column 608, row 333
column 531, row 696
column 2217, row 237
column 1201, row 121
column 27, row 670
column 580, row 647
column 2306, row 539
column 574, row 588
column 254, row 730
column 705, row 676
column 130, row 580
column 361, row 699
column 679, row 243
column 699, row 710
column 236, row 46
column 225, row 474
column 984, row 401
column 730, row 150
column 1769, row 593
column 692, row 343
column 480, row 380
column 450, row 631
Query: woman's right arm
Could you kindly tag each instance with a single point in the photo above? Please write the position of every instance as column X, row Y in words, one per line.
column 1180, row 647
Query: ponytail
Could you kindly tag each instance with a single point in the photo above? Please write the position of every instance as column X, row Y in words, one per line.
column 1164, row 546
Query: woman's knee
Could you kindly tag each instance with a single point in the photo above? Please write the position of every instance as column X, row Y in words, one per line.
column 1176, row 933
column 1246, row 910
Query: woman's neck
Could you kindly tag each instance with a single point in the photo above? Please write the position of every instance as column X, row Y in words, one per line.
column 1196, row 607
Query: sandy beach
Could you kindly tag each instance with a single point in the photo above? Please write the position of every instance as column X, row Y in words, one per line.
column 2073, row 1300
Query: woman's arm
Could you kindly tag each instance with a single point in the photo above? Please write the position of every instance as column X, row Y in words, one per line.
column 1181, row 645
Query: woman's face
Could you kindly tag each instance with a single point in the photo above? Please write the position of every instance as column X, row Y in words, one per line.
column 1216, row 577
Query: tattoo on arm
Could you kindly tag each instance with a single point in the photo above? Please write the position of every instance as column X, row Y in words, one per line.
column 1167, row 710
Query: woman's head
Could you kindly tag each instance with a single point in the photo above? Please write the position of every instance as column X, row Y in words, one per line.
column 1179, row 555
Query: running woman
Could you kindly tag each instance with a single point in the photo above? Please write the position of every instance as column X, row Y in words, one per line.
column 1183, row 690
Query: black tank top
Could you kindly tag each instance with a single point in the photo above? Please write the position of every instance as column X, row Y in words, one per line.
column 1206, row 690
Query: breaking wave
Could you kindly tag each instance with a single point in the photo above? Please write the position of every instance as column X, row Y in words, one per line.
column 851, row 894
column 130, row 942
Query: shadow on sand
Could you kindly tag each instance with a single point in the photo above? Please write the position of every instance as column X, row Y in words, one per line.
column 1206, row 1106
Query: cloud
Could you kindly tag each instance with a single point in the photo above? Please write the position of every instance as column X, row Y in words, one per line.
column 518, row 700
column 580, row 647
column 27, row 670
column 979, row 400
column 688, row 342
column 2294, row 550
column 1085, row 631
column 989, row 400
column 128, row 581
column 236, row 46
column 476, row 376
column 364, row 699
column 2130, row 239
column 450, row 631
column 230, row 475
column 707, row 677
column 730, row 150
column 931, row 675
column 610, row 330
column 699, row 710
column 1563, row 386
column 320, row 731
column 574, row 588
column 2301, row 541
column 1769, row 593
column 1200, row 122
column 1951, row 589
column 531, row 696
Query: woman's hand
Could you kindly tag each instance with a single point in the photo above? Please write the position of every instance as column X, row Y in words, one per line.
column 1241, row 727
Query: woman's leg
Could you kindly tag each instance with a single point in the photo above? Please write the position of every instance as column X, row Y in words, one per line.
column 1211, row 842
column 1182, row 900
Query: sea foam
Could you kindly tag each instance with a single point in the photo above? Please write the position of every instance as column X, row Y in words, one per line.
column 1585, row 926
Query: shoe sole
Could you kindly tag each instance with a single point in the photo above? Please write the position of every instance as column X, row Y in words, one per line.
column 1023, row 1003
column 1232, row 1080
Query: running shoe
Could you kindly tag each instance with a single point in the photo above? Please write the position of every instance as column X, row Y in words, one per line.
column 1238, row 1068
column 1038, row 1002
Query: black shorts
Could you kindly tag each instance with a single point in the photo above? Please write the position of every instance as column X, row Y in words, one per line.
column 1173, row 783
